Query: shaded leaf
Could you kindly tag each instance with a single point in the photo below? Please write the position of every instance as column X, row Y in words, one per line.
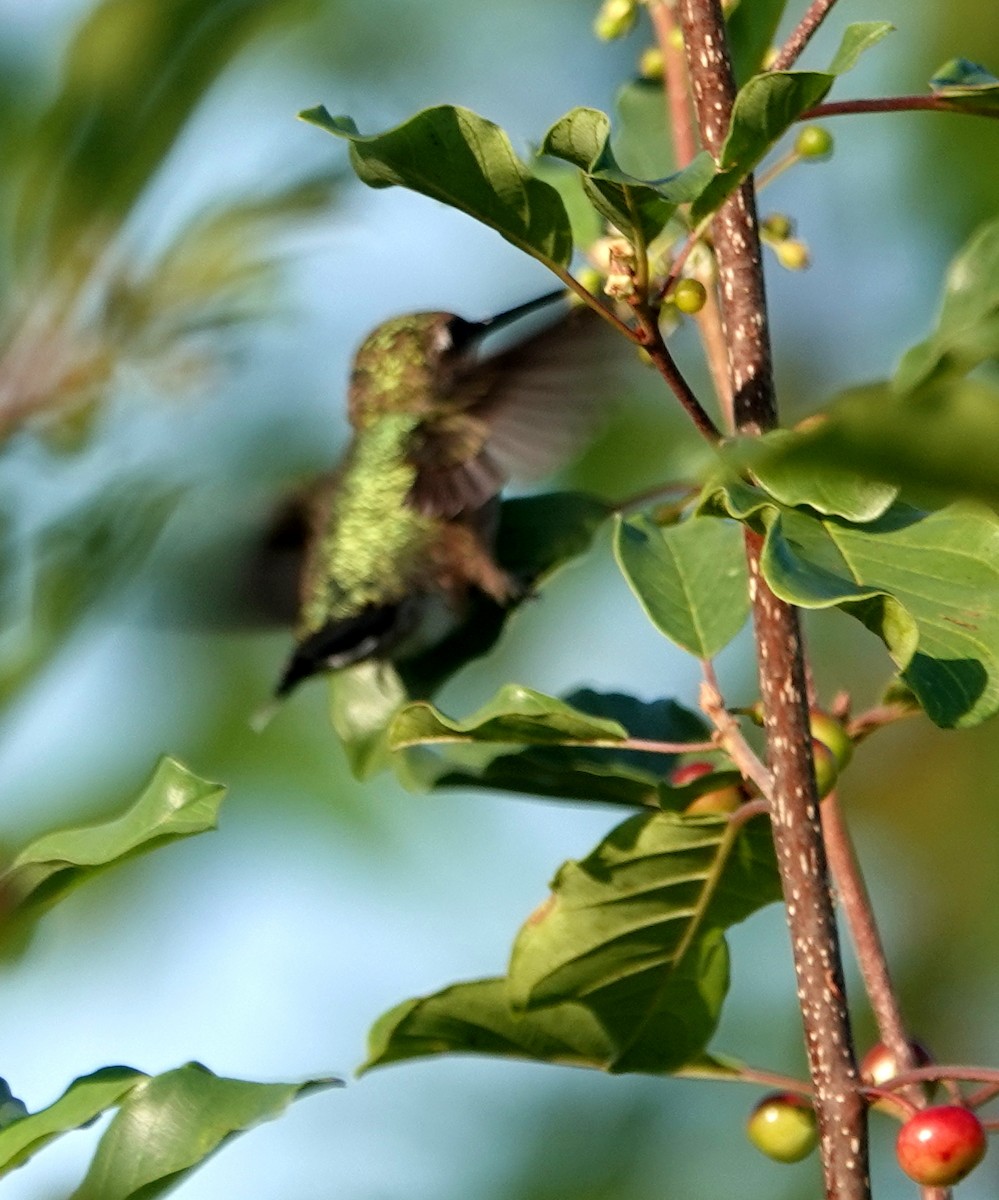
column 939, row 440
column 634, row 932
column 169, row 1124
column 644, row 142
column 690, row 578
column 477, row 1018
column 966, row 85
column 927, row 583
column 607, row 775
column 638, row 208
column 768, row 106
column 455, row 156
column 752, row 27
column 967, row 331
column 174, row 804
column 81, row 1103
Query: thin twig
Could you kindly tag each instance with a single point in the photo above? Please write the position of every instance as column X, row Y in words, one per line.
column 801, row 35
column 675, row 84
column 889, row 104
column 729, row 734
column 856, row 904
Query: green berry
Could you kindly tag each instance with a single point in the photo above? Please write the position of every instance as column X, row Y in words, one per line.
column 777, row 226
column 783, row 1126
column 813, row 141
column 832, row 733
column 826, row 767
column 690, row 296
column 792, row 254
column 615, row 19
column 650, row 64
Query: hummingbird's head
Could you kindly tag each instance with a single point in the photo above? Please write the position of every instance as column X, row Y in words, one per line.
column 408, row 364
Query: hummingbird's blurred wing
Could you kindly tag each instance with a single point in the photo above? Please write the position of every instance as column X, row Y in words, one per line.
column 526, row 411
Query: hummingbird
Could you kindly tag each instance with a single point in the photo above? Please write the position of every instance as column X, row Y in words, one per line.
column 441, row 418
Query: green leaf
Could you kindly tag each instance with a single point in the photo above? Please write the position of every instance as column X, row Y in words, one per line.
column 638, row 208
column 857, row 38
column 768, row 106
column 752, row 26
column 832, row 488
column 174, row 804
column 476, row 1018
column 634, row 932
column 927, row 583
column 967, row 331
column 644, row 142
column 515, row 716
column 82, row 1102
column 455, row 156
column 605, row 775
column 169, row 1124
column 134, row 72
column 938, row 441
column 690, row 579
column 966, row 85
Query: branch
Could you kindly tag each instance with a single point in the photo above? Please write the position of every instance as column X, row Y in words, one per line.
column 794, row 810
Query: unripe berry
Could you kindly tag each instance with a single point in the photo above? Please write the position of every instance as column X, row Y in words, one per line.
column 783, row 1126
column 813, row 142
column 650, row 64
column 690, row 296
column 776, row 226
column 826, row 767
column 939, row 1146
column 831, row 733
column 792, row 254
column 615, row 19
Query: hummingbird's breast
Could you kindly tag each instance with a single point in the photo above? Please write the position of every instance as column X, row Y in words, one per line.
column 370, row 547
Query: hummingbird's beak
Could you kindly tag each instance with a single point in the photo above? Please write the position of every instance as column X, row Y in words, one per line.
column 501, row 320
column 467, row 335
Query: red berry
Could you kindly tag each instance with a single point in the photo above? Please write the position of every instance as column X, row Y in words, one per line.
column 689, row 772
column 939, row 1146
column 783, row 1126
column 720, row 800
column 879, row 1065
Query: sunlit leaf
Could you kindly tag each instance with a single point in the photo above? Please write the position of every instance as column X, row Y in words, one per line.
column 174, row 804
column 169, row 1124
column 833, row 488
column 927, row 583
column 690, row 578
column 363, row 700
column 768, row 106
column 515, row 716
column 967, row 331
column 638, row 208
column 633, row 931
column 82, row 1102
column 455, row 156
